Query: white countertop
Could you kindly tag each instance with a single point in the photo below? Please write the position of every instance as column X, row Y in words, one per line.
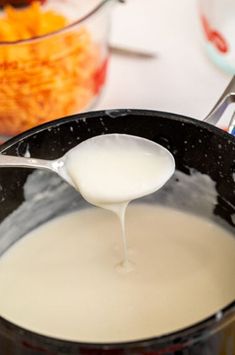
column 181, row 79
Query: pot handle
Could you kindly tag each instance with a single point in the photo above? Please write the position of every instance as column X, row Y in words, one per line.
column 224, row 101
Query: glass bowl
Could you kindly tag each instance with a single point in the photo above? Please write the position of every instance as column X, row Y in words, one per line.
column 217, row 19
column 53, row 74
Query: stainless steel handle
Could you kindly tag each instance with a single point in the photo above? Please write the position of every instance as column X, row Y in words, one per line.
column 224, row 101
column 11, row 161
column 57, row 166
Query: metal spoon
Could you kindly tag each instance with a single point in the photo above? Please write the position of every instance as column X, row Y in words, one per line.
column 58, row 166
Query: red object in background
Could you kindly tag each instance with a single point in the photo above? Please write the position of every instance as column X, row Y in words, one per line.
column 100, row 76
column 214, row 36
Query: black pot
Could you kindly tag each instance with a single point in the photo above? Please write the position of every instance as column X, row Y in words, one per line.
column 197, row 147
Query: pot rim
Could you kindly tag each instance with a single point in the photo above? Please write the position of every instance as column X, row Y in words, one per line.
column 186, row 336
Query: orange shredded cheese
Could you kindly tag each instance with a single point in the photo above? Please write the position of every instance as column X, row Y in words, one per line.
column 44, row 79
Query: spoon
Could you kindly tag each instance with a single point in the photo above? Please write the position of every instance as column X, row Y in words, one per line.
column 108, row 160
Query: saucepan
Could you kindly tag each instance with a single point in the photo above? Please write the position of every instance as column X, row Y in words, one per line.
column 205, row 163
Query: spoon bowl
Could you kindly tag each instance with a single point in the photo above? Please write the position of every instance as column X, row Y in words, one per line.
column 93, row 150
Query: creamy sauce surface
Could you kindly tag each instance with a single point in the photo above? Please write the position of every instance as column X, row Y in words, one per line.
column 61, row 279
column 116, row 168
column 111, row 170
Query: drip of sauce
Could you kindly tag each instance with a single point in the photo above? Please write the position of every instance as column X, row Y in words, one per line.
column 111, row 170
column 60, row 280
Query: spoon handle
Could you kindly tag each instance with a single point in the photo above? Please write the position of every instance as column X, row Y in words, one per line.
column 57, row 165
column 12, row 161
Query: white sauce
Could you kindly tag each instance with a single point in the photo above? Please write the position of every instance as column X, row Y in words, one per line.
column 61, row 279
column 115, row 168
column 111, row 170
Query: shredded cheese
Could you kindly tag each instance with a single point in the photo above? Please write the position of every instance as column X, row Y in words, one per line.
column 45, row 78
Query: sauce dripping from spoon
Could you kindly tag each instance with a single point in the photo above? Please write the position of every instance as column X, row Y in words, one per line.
column 109, row 171
column 114, row 169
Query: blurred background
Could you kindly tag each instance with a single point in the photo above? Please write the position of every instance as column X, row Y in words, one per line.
column 55, row 59
column 181, row 78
